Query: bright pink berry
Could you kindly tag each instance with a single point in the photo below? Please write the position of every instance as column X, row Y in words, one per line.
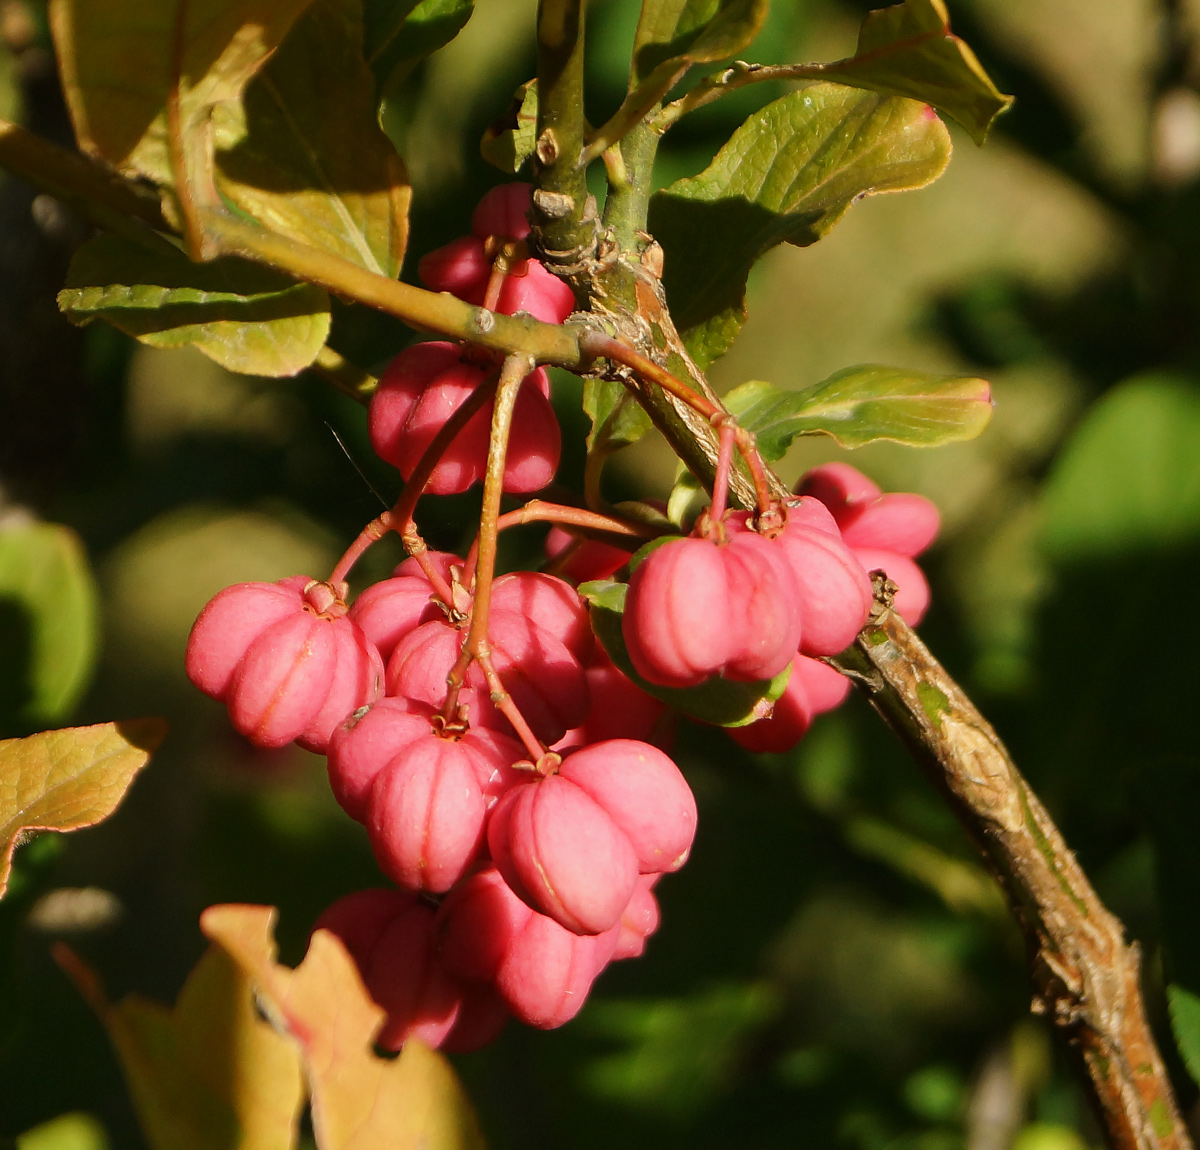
column 423, row 386
column 503, row 211
column 390, row 609
column 620, row 709
column 639, row 920
column 481, row 1016
column 838, row 485
column 359, row 919
column 561, row 852
column 588, row 559
column 551, row 604
column 461, row 267
column 912, row 598
column 643, row 792
column 813, row 688
column 765, row 607
column 901, row 522
column 478, row 924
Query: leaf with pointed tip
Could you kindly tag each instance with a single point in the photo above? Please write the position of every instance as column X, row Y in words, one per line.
column 1185, row 1021
column 862, row 404
column 64, row 780
column 210, row 1074
column 617, row 418
column 245, row 316
column 303, row 152
column 678, row 33
column 509, row 142
column 120, row 65
column 909, row 50
column 722, row 702
column 400, row 34
column 787, row 175
column 359, row 1101
column 47, row 651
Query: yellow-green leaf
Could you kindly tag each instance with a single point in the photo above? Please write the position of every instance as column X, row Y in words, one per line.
column 121, row 60
column 400, row 34
column 861, row 404
column 787, row 175
column 909, row 50
column 359, row 1101
column 303, row 153
column 243, row 315
column 509, row 142
column 211, row 1074
column 47, row 622
column 64, row 780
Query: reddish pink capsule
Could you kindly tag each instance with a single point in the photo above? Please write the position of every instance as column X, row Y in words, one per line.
column 620, row 709
column 588, row 558
column 912, row 598
column 643, row 793
column 481, row 1016
column 901, row 522
column 461, row 267
column 639, row 920
column 765, row 607
column 677, row 624
column 356, row 680
column 425, row 815
column 812, row 688
column 551, row 604
column 366, row 742
column 390, row 609
column 359, row 919
column 827, row 688
column 503, row 211
column 838, row 486
column 561, row 852
column 478, row 924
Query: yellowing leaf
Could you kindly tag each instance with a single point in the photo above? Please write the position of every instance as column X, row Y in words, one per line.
column 122, row 59
column 359, row 1101
column 246, row 317
column 909, row 50
column 787, row 175
column 303, row 152
column 862, row 404
column 46, row 653
column 210, row 1074
column 64, row 780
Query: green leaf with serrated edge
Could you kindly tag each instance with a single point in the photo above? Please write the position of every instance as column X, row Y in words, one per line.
column 862, row 404
column 64, row 780
column 211, row 1073
column 1185, row 1021
column 909, row 50
column 510, row 141
column 399, row 35
column 48, row 649
column 787, row 175
column 617, row 418
column 116, row 59
column 676, row 33
column 303, row 151
column 243, row 315
column 721, row 702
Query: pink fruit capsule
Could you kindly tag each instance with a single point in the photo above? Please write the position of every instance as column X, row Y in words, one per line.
column 560, row 851
column 827, row 688
column 477, row 926
column 838, row 485
column 481, row 1016
column 359, row 919
column 912, row 598
column 620, row 709
column 677, row 625
column 765, row 607
column 425, row 814
column 390, row 609
column 835, row 593
column 644, row 794
column 356, row 679
column 901, row 522
column 366, row 742
column 537, row 292
column 589, row 558
column 639, row 920
column 553, row 605
column 461, row 267
column 503, row 211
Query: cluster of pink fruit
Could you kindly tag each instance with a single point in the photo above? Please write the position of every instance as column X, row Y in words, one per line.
column 520, row 798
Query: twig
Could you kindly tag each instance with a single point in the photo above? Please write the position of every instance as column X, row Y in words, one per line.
column 1085, row 976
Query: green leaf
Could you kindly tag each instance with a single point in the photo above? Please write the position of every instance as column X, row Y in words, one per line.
column 617, row 418
column 1185, row 1021
column 303, row 151
column 211, row 1074
column 673, row 34
column 64, row 780
column 721, row 702
column 862, row 404
column 909, row 50
column 246, row 317
column 48, row 633
column 1129, row 479
column 787, row 175
column 510, row 141
column 400, row 34
column 119, row 65
column 359, row 1100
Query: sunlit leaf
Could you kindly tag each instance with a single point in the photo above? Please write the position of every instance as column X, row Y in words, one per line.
column 47, row 621
column 1185, row 1021
column 64, row 780
column 359, row 1100
column 909, row 50
column 861, row 404
column 787, row 175
column 211, row 1074
column 1129, row 479
column 617, row 418
column 673, row 33
column 400, row 34
column 303, row 152
column 510, row 141
column 722, row 702
column 246, row 317
column 119, row 65
column 75, row 1131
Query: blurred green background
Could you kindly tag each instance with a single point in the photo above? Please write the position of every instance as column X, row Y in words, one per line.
column 834, row 968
